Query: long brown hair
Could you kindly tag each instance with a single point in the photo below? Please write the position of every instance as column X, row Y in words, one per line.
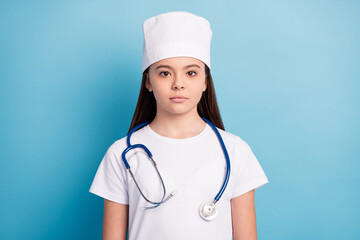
column 207, row 107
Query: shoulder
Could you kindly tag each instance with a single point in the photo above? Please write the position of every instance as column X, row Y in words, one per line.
column 115, row 150
column 233, row 140
column 118, row 146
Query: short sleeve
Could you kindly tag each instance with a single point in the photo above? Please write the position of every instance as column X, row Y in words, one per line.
column 247, row 172
column 110, row 180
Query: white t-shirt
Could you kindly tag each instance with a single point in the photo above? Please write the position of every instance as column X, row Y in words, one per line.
column 194, row 167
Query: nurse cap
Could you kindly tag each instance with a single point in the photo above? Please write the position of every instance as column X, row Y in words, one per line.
column 176, row 34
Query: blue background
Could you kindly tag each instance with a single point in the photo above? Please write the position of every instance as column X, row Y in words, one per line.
column 287, row 80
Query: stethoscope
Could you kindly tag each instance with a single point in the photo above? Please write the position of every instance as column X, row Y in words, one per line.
column 207, row 210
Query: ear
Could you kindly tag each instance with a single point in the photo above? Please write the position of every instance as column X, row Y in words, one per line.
column 205, row 84
column 147, row 83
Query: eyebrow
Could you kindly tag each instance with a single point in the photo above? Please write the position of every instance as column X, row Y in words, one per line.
column 169, row 67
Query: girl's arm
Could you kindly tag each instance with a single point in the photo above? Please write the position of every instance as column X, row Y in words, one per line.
column 243, row 217
column 115, row 220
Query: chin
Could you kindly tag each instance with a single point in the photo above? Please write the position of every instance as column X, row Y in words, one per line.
column 180, row 111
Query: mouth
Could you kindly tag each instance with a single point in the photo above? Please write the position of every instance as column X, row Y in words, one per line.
column 178, row 99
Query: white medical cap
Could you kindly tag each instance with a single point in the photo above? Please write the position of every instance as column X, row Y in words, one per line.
column 176, row 34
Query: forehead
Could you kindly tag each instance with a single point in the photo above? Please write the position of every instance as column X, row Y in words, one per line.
column 178, row 62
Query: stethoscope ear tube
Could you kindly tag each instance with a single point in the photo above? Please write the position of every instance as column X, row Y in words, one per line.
column 130, row 147
column 123, row 156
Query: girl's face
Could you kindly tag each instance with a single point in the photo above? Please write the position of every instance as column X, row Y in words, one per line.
column 177, row 84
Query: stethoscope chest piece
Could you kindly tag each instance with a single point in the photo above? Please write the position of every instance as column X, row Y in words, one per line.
column 208, row 211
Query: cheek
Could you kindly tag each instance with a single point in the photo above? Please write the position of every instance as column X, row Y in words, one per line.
column 159, row 90
column 197, row 92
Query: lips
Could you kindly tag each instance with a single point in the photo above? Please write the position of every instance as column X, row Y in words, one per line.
column 178, row 99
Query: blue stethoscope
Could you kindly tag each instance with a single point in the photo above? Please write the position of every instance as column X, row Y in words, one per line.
column 207, row 210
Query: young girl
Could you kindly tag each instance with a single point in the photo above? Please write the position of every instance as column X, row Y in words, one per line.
column 202, row 181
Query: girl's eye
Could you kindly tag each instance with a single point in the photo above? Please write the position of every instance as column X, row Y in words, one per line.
column 191, row 73
column 164, row 74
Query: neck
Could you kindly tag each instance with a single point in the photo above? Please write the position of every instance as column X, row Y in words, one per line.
column 178, row 125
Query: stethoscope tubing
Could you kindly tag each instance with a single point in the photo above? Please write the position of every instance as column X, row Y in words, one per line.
column 130, row 147
column 227, row 158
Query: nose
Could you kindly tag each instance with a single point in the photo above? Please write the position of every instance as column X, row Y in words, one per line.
column 178, row 83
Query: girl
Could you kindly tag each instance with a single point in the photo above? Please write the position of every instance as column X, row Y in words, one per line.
column 194, row 159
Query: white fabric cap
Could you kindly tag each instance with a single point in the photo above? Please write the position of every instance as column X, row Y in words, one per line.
column 176, row 34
